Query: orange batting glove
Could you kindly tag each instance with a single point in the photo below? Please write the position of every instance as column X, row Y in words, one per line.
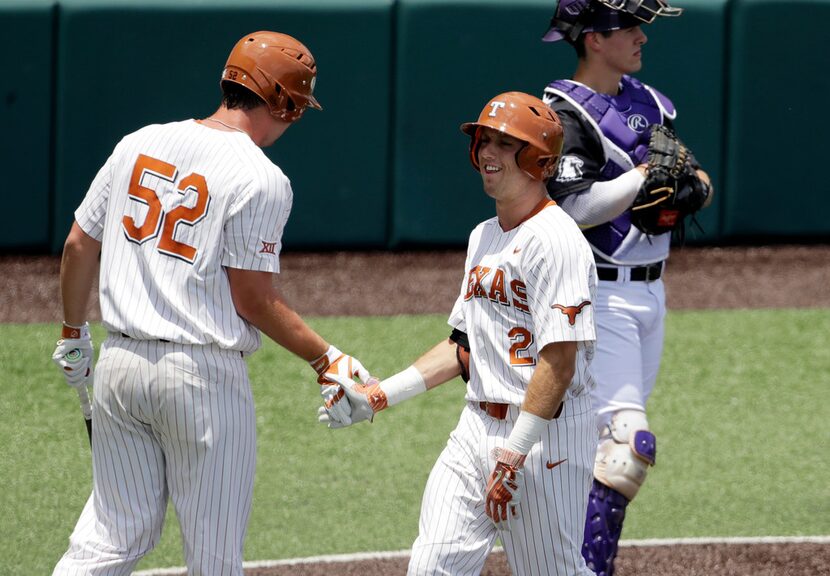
column 362, row 402
column 334, row 365
column 334, row 362
column 504, row 488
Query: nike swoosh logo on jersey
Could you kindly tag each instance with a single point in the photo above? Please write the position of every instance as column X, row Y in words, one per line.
column 516, row 250
column 552, row 465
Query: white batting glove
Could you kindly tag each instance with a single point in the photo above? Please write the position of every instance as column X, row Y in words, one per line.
column 336, row 411
column 74, row 355
column 335, row 363
column 364, row 401
column 504, row 488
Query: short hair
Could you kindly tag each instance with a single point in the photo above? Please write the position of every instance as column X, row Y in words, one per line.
column 236, row 96
column 579, row 43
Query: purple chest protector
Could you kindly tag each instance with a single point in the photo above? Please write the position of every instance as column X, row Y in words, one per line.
column 622, row 122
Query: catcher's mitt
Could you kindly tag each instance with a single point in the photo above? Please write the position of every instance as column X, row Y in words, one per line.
column 672, row 189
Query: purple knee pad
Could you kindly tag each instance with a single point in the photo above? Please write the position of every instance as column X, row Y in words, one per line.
column 603, row 526
column 645, row 445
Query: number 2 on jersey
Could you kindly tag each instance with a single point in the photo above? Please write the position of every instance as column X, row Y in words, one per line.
column 156, row 220
column 522, row 339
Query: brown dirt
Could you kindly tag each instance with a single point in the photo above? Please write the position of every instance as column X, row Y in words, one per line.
column 384, row 283
column 803, row 559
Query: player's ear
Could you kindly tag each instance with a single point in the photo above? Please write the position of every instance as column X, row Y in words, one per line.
column 593, row 41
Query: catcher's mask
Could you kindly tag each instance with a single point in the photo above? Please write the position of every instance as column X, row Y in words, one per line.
column 574, row 17
column 278, row 69
column 525, row 118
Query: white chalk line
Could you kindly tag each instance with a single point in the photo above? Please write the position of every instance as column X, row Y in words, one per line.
column 361, row 556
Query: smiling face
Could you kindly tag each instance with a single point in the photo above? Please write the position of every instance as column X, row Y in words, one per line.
column 497, row 162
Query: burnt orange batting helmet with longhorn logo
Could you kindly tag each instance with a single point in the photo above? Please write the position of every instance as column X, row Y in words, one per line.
column 525, row 118
column 277, row 68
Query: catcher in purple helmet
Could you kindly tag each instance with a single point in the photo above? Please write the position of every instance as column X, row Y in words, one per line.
column 629, row 182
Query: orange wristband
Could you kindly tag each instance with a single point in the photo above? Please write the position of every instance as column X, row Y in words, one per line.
column 70, row 332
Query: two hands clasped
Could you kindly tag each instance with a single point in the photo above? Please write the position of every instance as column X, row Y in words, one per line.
column 347, row 401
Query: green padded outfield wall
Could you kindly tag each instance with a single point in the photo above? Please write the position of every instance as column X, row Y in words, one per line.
column 454, row 55
column 123, row 65
column 778, row 128
column 685, row 59
column 26, row 46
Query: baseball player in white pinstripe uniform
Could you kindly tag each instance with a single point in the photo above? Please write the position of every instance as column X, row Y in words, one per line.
column 187, row 218
column 518, row 465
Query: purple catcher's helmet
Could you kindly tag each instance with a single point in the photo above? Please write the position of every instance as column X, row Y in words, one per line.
column 574, row 17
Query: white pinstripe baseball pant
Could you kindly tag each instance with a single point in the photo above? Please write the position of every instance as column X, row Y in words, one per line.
column 455, row 535
column 168, row 419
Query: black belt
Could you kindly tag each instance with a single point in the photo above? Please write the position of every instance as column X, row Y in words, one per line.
column 156, row 339
column 241, row 353
column 638, row 273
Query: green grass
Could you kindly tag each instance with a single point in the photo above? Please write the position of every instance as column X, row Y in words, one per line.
column 740, row 412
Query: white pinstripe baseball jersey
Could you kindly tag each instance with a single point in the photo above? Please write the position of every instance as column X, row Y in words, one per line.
column 524, row 289
column 173, row 205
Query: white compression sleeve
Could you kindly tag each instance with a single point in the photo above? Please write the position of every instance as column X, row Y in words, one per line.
column 603, row 201
column 403, row 386
column 526, row 432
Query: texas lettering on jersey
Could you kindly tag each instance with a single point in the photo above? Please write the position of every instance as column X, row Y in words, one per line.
column 486, row 282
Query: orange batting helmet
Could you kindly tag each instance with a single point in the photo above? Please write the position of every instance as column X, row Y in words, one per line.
column 525, row 118
column 278, row 69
